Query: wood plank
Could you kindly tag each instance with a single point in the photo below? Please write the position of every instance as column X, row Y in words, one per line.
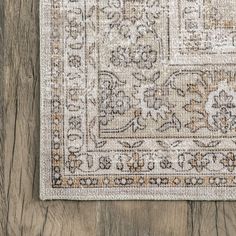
column 144, row 218
column 3, row 203
column 211, row 218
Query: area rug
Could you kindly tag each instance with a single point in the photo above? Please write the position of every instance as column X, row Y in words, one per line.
column 138, row 99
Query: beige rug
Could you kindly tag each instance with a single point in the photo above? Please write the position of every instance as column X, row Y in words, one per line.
column 138, row 99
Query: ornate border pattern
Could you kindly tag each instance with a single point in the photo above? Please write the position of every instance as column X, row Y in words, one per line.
column 85, row 154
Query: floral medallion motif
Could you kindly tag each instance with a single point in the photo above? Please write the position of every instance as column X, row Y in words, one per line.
column 143, row 57
column 152, row 98
column 221, row 108
column 132, row 19
column 215, row 107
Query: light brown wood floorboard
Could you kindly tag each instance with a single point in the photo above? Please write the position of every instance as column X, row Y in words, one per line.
column 21, row 211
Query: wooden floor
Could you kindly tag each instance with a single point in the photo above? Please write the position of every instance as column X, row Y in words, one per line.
column 21, row 211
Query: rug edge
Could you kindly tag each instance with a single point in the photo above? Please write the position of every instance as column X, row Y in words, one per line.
column 86, row 195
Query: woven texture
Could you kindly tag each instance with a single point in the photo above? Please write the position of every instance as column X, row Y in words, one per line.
column 138, row 99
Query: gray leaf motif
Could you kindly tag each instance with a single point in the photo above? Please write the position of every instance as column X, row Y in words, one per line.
column 176, row 143
column 173, row 124
column 168, row 145
column 210, row 144
column 129, row 145
column 91, row 11
column 179, row 91
column 143, row 78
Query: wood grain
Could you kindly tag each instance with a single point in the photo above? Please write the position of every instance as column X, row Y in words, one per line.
column 21, row 211
column 3, row 204
column 211, row 218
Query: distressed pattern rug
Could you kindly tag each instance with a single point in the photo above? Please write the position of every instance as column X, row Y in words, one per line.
column 138, row 99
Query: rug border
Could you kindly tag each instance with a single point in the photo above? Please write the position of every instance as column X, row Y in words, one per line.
column 49, row 193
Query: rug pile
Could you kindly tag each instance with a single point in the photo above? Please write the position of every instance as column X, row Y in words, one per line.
column 138, row 99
